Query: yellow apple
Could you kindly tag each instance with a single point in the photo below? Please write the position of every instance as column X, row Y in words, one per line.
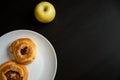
column 45, row 12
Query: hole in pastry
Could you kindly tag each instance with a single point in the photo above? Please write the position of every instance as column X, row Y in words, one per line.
column 24, row 50
column 13, row 75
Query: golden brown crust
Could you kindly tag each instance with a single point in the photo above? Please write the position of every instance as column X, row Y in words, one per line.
column 23, row 50
column 10, row 70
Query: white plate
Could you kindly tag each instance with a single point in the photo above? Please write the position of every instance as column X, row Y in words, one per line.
column 44, row 66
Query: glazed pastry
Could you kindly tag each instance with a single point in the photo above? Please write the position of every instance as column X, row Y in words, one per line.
column 10, row 70
column 23, row 50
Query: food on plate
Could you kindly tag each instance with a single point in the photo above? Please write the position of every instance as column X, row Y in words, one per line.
column 23, row 50
column 45, row 12
column 10, row 70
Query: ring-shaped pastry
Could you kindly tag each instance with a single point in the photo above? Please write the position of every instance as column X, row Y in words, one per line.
column 23, row 50
column 10, row 70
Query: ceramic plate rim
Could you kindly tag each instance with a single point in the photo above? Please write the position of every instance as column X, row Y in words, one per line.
column 36, row 33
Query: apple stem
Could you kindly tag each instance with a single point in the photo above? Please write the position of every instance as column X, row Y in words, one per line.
column 45, row 9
